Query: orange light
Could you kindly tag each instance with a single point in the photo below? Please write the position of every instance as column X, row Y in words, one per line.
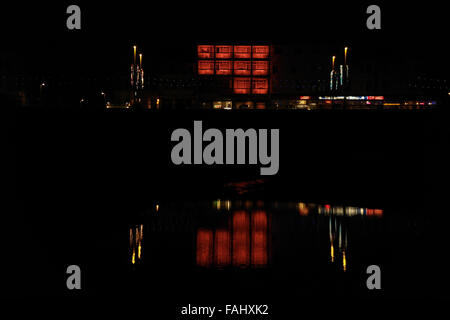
column 205, row 52
column 260, row 68
column 259, row 239
column 222, row 253
column 205, row 67
column 241, row 85
column 241, row 239
column 260, row 52
column 260, row 86
column 242, row 68
column 204, row 247
column 224, row 67
column 242, row 52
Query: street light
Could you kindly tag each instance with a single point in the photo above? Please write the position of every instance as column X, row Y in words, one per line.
column 41, row 86
column 104, row 97
column 345, row 56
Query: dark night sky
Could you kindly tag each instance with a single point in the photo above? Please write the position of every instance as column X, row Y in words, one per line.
column 36, row 32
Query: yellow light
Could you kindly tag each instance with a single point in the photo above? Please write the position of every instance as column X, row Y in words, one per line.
column 332, row 253
column 139, row 251
column 345, row 55
column 133, row 257
column 157, row 207
column 140, row 60
column 344, row 261
column 333, row 59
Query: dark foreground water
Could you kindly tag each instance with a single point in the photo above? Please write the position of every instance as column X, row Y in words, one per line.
column 354, row 189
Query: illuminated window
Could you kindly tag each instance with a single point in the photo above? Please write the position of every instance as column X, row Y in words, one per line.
column 260, row 86
column 242, row 85
column 242, row 52
column 224, row 52
column 260, row 52
column 205, row 67
column 260, row 68
column 242, row 68
column 205, row 52
column 224, row 67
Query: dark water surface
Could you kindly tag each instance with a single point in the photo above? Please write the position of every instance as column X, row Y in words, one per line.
column 354, row 189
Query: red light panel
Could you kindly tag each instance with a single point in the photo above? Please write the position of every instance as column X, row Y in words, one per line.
column 260, row 68
column 260, row 52
column 242, row 68
column 224, row 52
column 260, row 86
column 205, row 52
column 205, row 67
column 242, row 52
column 224, row 67
column 259, row 239
column 241, row 239
column 242, row 85
column 204, row 247
column 222, row 245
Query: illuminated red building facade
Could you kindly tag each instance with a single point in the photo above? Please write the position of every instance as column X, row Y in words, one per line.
column 240, row 72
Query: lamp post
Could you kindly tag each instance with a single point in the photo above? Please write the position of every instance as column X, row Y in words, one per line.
column 41, row 86
column 104, row 98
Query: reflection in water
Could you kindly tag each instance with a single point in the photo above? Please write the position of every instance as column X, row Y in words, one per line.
column 136, row 238
column 204, row 247
column 243, row 246
column 238, row 234
column 338, row 233
column 222, row 252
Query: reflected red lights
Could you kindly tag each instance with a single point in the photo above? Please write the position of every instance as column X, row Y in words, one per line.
column 242, row 52
column 260, row 68
column 242, row 68
column 205, row 51
column 259, row 239
column 260, row 52
column 205, row 67
column 224, row 52
column 374, row 212
column 241, row 239
column 222, row 245
column 241, row 85
column 224, row 67
column 204, row 247
column 244, row 245
column 375, row 98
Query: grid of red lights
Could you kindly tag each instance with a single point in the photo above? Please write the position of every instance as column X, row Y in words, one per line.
column 249, row 65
